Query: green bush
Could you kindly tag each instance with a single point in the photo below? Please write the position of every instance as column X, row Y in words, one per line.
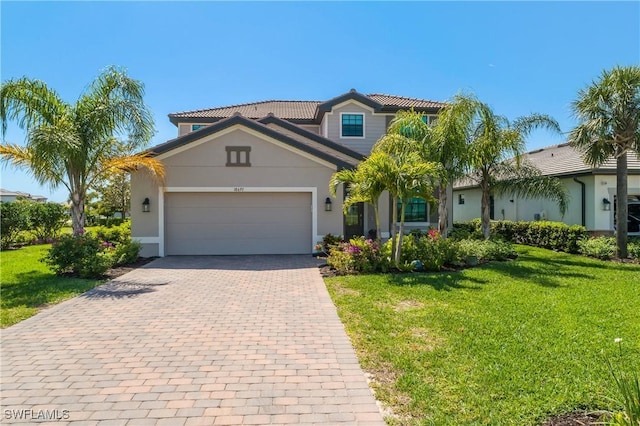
column 551, row 235
column 486, row 250
column 126, row 252
column 47, row 219
column 114, row 234
column 601, row 247
column 357, row 255
column 14, row 218
column 633, row 247
column 80, row 254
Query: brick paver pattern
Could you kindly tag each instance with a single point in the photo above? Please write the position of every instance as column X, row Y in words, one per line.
column 202, row 340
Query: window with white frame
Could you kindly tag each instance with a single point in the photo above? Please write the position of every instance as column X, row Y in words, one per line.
column 195, row 127
column 352, row 125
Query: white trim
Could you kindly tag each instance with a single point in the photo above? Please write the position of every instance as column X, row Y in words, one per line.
column 161, row 221
column 242, row 128
column 364, row 133
column 354, row 102
column 245, row 189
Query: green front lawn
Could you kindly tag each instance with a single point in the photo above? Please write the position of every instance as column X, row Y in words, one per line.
column 27, row 285
column 506, row 343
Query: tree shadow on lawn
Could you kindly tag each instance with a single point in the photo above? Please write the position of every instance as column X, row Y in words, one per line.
column 36, row 289
column 442, row 281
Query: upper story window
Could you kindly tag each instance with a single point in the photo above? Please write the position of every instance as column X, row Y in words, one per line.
column 352, row 126
column 238, row 156
column 195, row 127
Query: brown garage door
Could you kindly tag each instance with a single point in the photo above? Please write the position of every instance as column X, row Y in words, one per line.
column 237, row 223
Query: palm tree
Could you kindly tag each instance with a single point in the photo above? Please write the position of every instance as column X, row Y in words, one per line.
column 407, row 175
column 365, row 184
column 76, row 145
column 494, row 161
column 608, row 112
column 452, row 133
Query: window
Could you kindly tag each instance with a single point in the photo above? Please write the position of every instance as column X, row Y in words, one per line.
column 352, row 125
column 415, row 211
column 460, row 199
column 238, row 156
column 195, row 127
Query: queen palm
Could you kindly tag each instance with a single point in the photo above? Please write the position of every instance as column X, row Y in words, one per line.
column 608, row 112
column 77, row 145
column 407, row 175
column 494, row 161
column 365, row 184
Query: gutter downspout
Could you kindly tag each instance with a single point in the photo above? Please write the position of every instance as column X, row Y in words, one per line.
column 583, row 192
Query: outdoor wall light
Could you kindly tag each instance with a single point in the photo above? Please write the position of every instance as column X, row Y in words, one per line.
column 145, row 205
column 327, row 205
column 606, row 205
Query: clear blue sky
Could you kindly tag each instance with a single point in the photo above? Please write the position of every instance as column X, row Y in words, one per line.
column 520, row 57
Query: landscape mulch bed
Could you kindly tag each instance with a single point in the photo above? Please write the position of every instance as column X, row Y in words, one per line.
column 579, row 418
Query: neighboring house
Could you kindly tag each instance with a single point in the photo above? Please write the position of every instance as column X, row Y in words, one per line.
column 253, row 178
column 8, row 196
column 592, row 192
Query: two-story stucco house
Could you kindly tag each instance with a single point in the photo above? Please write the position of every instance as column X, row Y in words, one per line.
column 253, row 178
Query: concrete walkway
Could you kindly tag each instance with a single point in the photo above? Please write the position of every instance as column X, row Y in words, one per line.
column 189, row 341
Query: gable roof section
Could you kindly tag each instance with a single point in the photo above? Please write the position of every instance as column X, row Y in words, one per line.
column 342, row 161
column 305, row 112
column 272, row 119
column 565, row 161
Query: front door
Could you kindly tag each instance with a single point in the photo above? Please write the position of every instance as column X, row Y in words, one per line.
column 354, row 221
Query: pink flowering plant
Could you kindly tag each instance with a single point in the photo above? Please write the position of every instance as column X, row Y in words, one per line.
column 357, row 255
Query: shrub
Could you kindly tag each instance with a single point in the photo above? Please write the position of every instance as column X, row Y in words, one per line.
column 430, row 250
column 633, row 247
column 80, row 254
column 14, row 218
column 114, row 234
column 357, row 255
column 551, row 235
column 126, row 252
column 47, row 219
column 601, row 247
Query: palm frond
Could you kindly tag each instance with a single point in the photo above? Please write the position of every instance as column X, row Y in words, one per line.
column 31, row 103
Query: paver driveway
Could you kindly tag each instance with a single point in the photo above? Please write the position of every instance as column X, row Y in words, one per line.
column 190, row 340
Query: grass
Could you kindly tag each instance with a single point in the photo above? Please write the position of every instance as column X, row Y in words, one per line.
column 508, row 343
column 27, row 285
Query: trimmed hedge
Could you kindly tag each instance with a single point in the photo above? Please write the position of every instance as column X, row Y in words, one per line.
column 550, row 235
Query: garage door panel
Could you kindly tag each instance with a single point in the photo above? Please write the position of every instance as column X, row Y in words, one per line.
column 237, row 223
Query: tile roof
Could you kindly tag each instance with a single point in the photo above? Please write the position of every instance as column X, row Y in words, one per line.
column 294, row 110
column 404, row 102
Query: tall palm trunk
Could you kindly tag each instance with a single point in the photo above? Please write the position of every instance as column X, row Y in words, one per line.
column 622, row 205
column 443, row 212
column 376, row 213
column 400, row 233
column 486, row 213
column 77, row 212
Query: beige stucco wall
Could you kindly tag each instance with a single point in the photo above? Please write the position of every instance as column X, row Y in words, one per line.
column 202, row 165
column 374, row 126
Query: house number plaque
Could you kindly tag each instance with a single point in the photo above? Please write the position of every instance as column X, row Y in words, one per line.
column 238, row 189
